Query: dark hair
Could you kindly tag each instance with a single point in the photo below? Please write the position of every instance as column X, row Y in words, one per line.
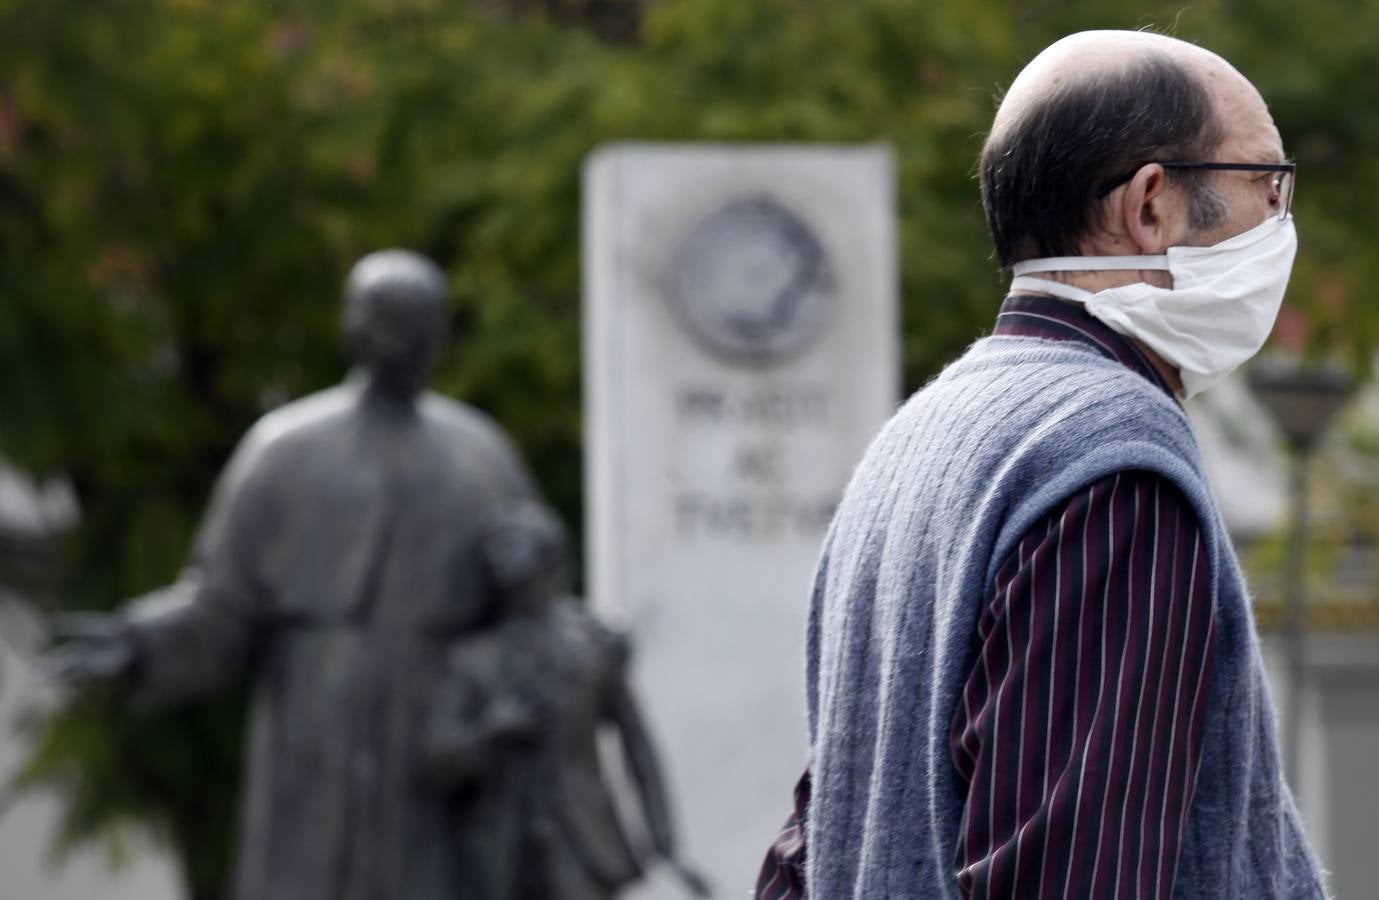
column 1041, row 173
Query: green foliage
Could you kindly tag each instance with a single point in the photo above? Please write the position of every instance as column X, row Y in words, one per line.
column 174, row 774
column 183, row 184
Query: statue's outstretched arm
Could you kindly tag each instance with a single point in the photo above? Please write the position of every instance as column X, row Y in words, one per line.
column 167, row 646
column 199, row 635
column 192, row 637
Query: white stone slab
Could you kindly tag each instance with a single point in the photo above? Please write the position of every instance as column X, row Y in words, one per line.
column 740, row 350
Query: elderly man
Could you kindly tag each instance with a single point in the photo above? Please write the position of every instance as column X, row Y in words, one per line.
column 1032, row 669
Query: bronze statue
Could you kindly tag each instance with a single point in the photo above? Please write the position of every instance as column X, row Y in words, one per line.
column 515, row 733
column 337, row 566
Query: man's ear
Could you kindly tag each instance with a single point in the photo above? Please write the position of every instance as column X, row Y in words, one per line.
column 1148, row 210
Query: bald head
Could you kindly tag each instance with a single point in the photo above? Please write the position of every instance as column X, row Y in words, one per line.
column 1088, row 57
column 1095, row 105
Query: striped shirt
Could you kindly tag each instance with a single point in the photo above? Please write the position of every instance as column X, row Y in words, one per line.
column 1080, row 728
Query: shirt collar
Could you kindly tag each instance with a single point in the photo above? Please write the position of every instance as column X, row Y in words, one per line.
column 1026, row 315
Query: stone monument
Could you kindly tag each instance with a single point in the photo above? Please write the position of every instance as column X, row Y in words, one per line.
column 740, row 349
column 338, row 564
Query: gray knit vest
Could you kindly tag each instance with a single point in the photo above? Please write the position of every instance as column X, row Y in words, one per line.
column 942, row 496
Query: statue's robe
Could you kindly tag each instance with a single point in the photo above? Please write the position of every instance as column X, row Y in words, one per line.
column 338, row 560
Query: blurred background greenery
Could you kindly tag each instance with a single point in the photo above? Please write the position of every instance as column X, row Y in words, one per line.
column 183, row 185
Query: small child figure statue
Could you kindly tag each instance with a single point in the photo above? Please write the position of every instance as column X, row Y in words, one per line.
column 515, row 734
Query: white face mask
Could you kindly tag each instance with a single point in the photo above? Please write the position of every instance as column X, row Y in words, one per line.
column 1219, row 312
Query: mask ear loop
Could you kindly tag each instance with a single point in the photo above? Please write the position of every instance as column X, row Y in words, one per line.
column 1090, row 264
column 1044, row 286
column 1023, row 281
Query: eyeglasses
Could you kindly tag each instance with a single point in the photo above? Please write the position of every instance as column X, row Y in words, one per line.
column 1285, row 177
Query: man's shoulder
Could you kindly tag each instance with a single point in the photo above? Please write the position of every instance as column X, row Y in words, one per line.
column 1004, row 361
column 1027, row 419
column 1033, row 386
column 1042, row 387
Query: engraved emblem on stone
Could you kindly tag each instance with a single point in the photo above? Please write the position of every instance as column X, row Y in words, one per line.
column 753, row 283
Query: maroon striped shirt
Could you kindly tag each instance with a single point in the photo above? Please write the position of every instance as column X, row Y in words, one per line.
column 1080, row 727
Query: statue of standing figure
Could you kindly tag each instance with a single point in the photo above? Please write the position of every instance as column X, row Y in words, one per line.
column 338, row 568
column 517, row 729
